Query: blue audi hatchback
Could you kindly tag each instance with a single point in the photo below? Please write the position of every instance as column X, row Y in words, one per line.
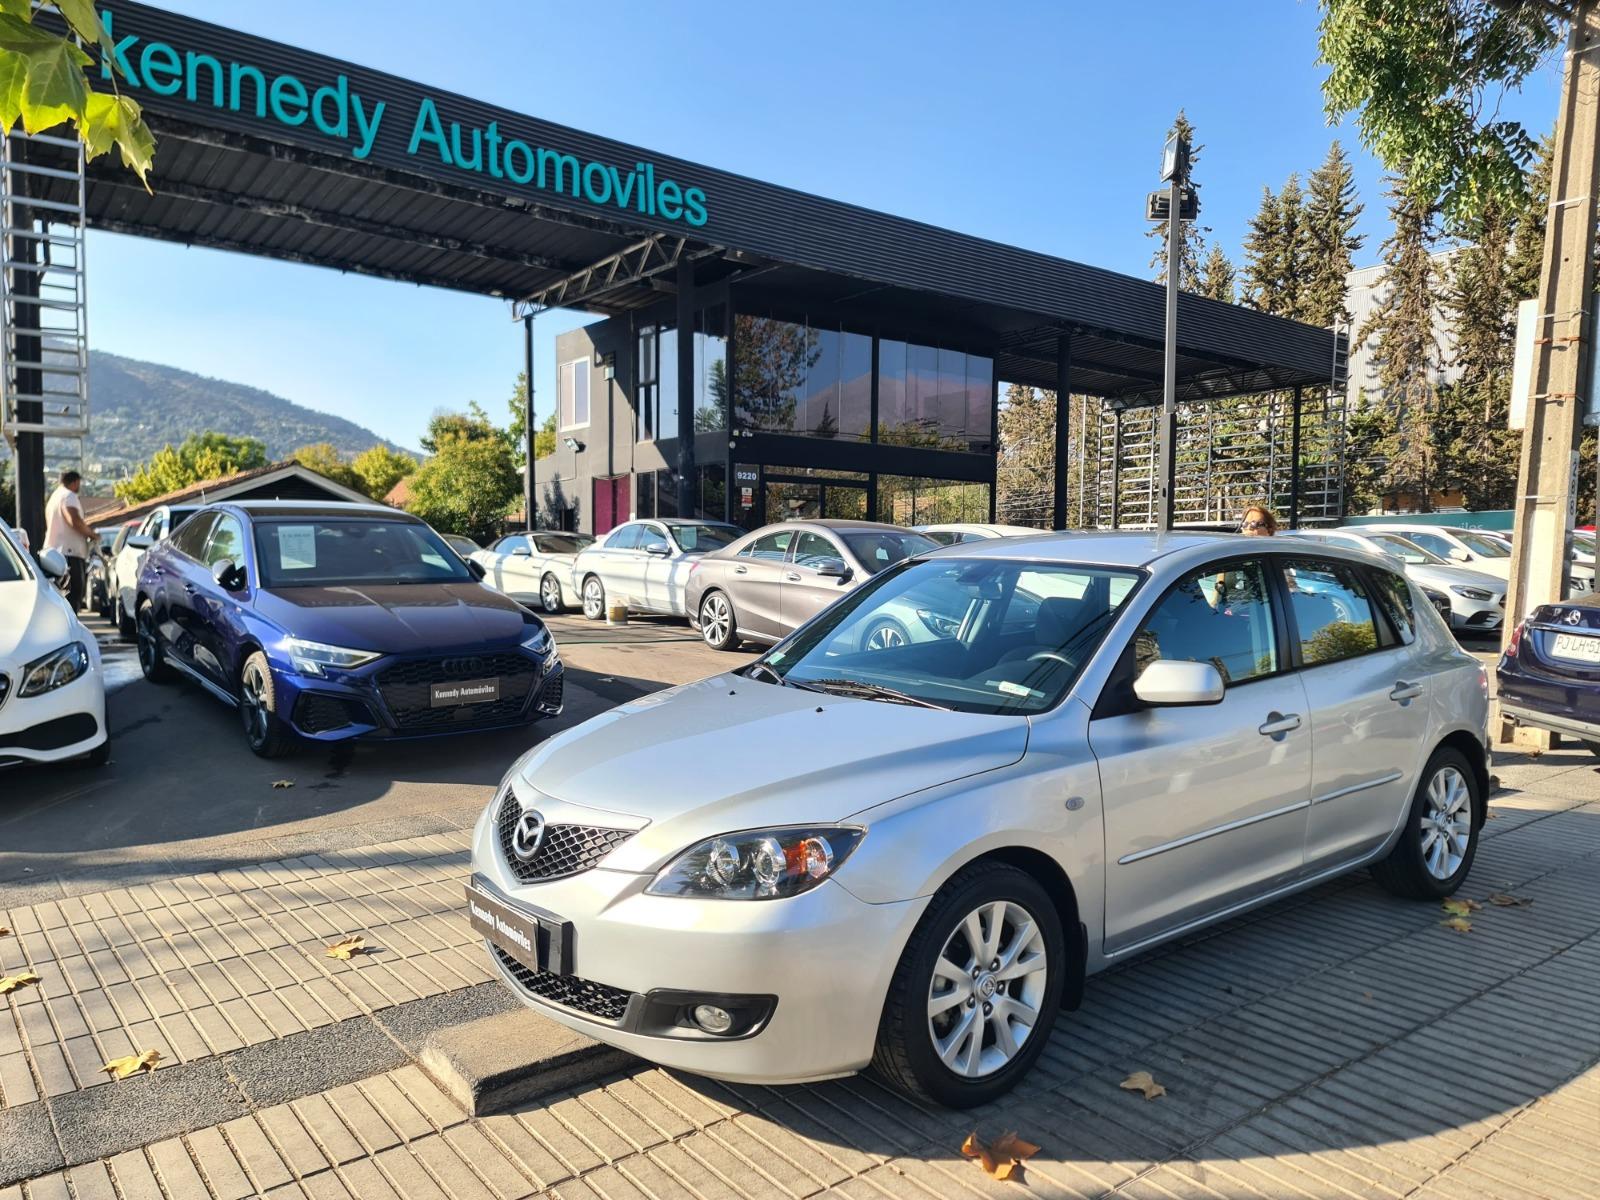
column 327, row 622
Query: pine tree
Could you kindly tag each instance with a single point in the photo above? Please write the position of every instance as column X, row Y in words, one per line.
column 1260, row 285
column 1216, row 279
column 1404, row 349
column 1290, row 250
column 1192, row 233
column 1331, row 212
column 1526, row 259
column 1025, row 475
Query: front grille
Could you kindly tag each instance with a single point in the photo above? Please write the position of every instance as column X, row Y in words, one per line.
column 317, row 712
column 566, row 849
column 597, row 1000
column 406, row 690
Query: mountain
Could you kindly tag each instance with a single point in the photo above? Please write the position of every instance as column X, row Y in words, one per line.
column 136, row 407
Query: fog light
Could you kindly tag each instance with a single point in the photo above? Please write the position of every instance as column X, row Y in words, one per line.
column 712, row 1019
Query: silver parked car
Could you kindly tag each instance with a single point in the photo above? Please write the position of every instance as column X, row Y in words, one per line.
column 776, row 579
column 645, row 564
column 535, row 568
column 912, row 857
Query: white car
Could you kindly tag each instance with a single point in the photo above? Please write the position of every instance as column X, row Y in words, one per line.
column 1477, row 549
column 962, row 531
column 52, row 693
column 157, row 524
column 912, row 856
column 1475, row 602
column 535, row 568
column 645, row 564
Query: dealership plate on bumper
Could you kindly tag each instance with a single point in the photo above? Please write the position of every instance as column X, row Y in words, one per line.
column 1579, row 647
column 537, row 939
column 463, row 691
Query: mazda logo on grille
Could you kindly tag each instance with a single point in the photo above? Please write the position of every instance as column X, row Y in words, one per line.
column 528, row 836
column 463, row 666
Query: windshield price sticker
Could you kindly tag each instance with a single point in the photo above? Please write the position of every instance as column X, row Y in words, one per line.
column 297, row 547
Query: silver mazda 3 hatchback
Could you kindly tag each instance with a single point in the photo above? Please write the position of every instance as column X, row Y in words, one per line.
column 911, row 856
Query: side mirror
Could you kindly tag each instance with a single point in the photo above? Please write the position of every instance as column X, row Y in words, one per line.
column 833, row 568
column 228, row 575
column 476, row 568
column 1170, row 683
column 53, row 563
column 139, row 541
column 657, row 549
column 1457, row 554
column 522, row 552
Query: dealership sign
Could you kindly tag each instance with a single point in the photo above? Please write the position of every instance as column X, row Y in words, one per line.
column 340, row 113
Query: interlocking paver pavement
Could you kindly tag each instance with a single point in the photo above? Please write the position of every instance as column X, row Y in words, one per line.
column 1339, row 1044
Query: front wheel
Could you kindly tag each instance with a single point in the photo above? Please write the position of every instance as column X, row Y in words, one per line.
column 264, row 730
column 1440, row 838
column 884, row 634
column 152, row 661
column 717, row 625
column 594, row 598
column 976, row 992
column 125, row 623
column 550, row 593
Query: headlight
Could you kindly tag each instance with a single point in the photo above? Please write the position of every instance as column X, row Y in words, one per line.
column 1471, row 593
column 539, row 641
column 939, row 624
column 314, row 658
column 56, row 669
column 761, row 864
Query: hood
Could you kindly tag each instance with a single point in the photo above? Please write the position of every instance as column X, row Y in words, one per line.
column 729, row 753
column 1441, row 577
column 396, row 618
column 34, row 620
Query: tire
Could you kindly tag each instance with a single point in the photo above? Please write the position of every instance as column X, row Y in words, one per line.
column 264, row 731
column 907, row 1056
column 125, row 624
column 550, row 594
column 884, row 634
column 719, row 628
column 100, row 755
column 1431, row 860
column 152, row 662
column 594, row 598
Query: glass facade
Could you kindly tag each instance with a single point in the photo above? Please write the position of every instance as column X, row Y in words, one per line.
column 903, row 500
column 799, row 379
column 656, row 403
column 935, row 398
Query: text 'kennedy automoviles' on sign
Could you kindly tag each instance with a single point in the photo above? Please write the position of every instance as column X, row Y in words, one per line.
column 337, row 111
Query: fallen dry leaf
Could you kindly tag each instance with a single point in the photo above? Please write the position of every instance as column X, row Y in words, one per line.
column 345, row 947
column 12, row 982
column 1366, row 995
column 1506, row 900
column 132, row 1064
column 1460, row 908
column 1491, row 815
column 282, row 783
column 1003, row 1159
column 4, row 932
column 1143, row 1081
column 1459, row 924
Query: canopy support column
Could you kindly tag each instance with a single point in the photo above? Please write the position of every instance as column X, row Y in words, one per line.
column 688, row 491
column 1063, row 455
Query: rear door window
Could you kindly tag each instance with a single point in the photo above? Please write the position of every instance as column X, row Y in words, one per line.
column 1333, row 610
column 773, row 547
column 1394, row 597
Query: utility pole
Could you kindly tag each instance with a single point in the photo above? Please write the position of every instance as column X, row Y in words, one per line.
column 1180, row 204
column 529, row 491
column 1547, row 482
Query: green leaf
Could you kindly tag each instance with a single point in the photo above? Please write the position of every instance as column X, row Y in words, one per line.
column 13, row 73
column 102, row 121
column 21, row 9
column 18, row 34
column 83, row 18
column 55, row 90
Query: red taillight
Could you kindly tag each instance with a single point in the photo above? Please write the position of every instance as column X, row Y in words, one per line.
column 1516, row 640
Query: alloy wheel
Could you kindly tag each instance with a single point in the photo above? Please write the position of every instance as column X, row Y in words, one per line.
column 253, row 705
column 1446, row 823
column 550, row 595
column 715, row 617
column 988, row 984
column 594, row 600
column 145, row 633
column 885, row 637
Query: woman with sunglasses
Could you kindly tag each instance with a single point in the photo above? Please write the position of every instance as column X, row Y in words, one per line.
column 1234, row 587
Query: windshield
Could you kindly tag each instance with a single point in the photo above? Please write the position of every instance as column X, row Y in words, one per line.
column 326, row 551
column 1487, row 546
column 702, row 539
column 975, row 635
column 876, row 549
column 11, row 569
column 1584, row 542
column 1408, row 551
column 554, row 543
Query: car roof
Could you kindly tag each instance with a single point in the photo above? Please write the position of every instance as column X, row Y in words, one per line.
column 1103, row 548
column 316, row 508
column 677, row 521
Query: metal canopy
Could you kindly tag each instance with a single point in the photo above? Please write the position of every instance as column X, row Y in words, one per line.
column 230, row 178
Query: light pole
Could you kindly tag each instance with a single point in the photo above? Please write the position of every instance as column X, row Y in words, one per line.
column 1176, row 205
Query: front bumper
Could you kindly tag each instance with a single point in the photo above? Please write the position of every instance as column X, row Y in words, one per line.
column 1476, row 616
column 825, row 956
column 62, row 724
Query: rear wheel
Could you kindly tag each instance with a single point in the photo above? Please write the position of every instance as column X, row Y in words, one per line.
column 550, row 593
column 152, row 662
column 976, row 991
column 884, row 634
column 717, row 624
column 264, row 730
column 1440, row 837
column 594, row 598
column 125, row 623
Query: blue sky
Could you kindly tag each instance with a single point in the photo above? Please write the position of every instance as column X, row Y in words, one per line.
column 1038, row 124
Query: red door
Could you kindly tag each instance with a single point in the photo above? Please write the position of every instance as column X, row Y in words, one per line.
column 610, row 503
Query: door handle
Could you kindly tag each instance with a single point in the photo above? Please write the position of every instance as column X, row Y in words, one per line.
column 1404, row 691
column 792, row 576
column 189, row 588
column 1278, row 722
column 741, row 570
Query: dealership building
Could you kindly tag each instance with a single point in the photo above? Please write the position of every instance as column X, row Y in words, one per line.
column 764, row 352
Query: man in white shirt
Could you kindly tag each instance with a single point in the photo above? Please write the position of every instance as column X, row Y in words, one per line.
column 66, row 530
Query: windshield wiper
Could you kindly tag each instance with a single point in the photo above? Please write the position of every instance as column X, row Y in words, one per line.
column 767, row 668
column 871, row 691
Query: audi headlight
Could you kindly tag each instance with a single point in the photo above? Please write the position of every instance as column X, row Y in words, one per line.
column 315, row 658
column 761, row 864
column 56, row 669
column 539, row 641
column 1471, row 593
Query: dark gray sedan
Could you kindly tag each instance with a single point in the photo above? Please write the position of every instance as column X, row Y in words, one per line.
column 776, row 579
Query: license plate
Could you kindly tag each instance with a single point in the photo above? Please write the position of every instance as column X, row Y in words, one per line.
column 537, row 939
column 1576, row 646
column 464, row 691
